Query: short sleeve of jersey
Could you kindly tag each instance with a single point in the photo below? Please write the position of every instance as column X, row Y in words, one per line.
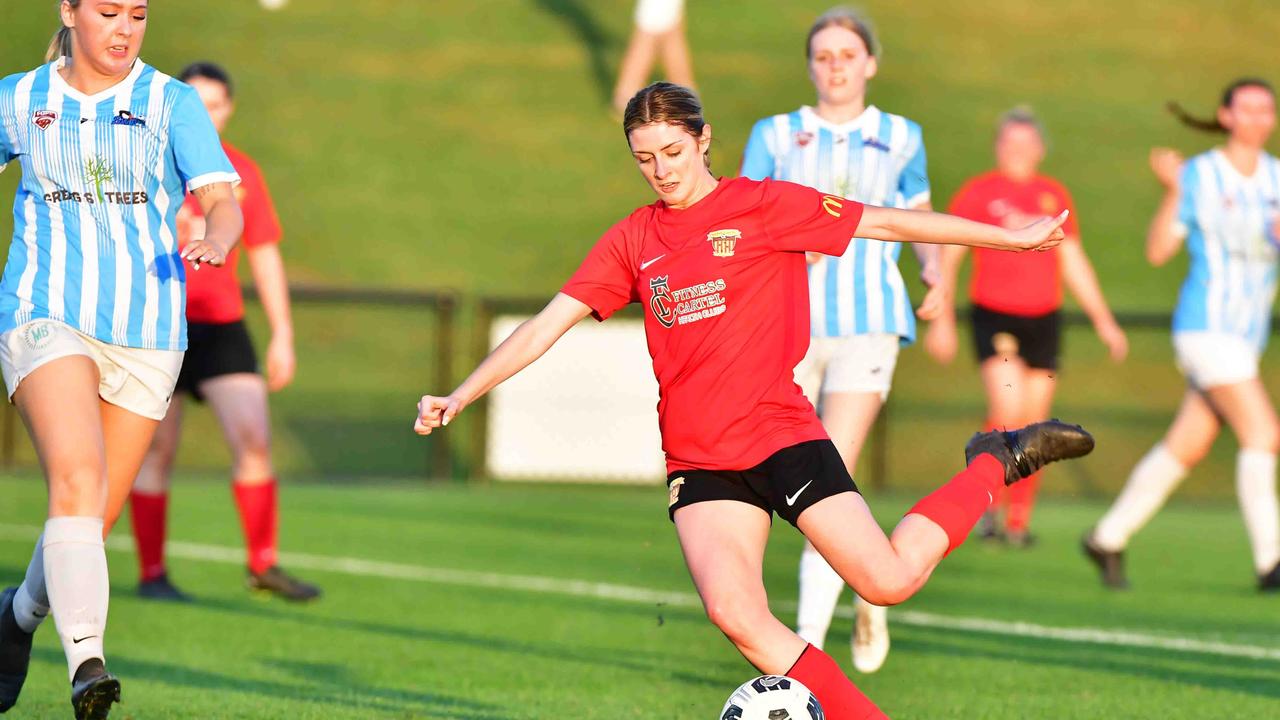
column 6, row 144
column 198, row 152
column 605, row 282
column 261, row 224
column 913, row 181
column 757, row 159
column 1189, row 184
column 801, row 219
column 1071, row 227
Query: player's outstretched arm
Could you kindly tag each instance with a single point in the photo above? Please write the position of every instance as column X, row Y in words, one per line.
column 881, row 223
column 223, row 225
column 527, row 343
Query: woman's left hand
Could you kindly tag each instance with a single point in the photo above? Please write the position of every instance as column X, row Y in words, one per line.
column 1113, row 336
column 1043, row 234
column 203, row 251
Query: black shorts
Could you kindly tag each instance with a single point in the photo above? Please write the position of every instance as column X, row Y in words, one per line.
column 788, row 481
column 1037, row 340
column 213, row 350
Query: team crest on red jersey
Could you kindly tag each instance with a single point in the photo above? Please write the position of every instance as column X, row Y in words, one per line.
column 661, row 302
column 723, row 242
column 803, row 137
column 1048, row 204
column 43, row 118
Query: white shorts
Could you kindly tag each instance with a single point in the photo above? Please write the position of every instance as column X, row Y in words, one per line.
column 138, row 380
column 853, row 363
column 1209, row 359
column 658, row 16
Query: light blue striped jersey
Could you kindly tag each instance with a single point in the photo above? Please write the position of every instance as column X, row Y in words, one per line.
column 1228, row 220
column 877, row 159
column 103, row 177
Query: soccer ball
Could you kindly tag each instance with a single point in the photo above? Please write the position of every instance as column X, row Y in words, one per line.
column 772, row 697
column 273, row 4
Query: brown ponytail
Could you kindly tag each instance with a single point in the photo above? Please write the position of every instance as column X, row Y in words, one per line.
column 60, row 46
column 1228, row 97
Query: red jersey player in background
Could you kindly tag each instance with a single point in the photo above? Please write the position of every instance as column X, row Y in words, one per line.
column 719, row 267
column 221, row 369
column 1017, row 298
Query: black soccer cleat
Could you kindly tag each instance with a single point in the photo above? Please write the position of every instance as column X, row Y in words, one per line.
column 1024, row 451
column 1271, row 581
column 1110, row 563
column 15, row 652
column 93, row 691
column 159, row 588
column 278, row 582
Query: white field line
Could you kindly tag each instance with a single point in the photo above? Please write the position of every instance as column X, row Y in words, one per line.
column 647, row 596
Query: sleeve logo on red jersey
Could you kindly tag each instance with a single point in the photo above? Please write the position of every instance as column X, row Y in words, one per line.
column 833, row 205
column 723, row 242
column 660, row 302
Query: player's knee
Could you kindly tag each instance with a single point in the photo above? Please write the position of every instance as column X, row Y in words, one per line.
column 734, row 618
column 77, row 491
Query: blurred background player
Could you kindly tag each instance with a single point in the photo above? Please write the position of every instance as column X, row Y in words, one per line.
column 1017, row 299
column 659, row 31
column 221, row 369
column 1225, row 205
column 858, row 306
column 91, row 325
column 719, row 266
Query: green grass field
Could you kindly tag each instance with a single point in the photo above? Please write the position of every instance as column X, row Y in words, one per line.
column 450, row 644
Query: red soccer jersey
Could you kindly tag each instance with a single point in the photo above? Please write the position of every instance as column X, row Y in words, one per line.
column 726, row 300
column 213, row 293
column 1026, row 284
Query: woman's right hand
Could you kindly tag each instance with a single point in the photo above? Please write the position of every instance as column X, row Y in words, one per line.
column 1166, row 163
column 434, row 412
column 1043, row 234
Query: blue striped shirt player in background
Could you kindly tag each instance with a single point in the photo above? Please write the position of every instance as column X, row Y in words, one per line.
column 1225, row 206
column 860, row 313
column 92, row 304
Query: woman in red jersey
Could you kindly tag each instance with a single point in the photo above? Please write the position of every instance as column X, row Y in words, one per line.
column 1017, row 298
column 719, row 265
column 220, row 369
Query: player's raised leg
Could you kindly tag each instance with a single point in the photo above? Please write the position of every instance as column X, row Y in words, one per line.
column 888, row 570
column 723, row 543
column 239, row 400
column 1151, row 481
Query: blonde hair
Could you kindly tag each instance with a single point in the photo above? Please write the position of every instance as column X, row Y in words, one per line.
column 60, row 46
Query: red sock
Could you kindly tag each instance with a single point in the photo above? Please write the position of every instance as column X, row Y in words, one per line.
column 839, row 697
column 1022, row 498
column 148, row 513
column 957, row 506
column 259, row 519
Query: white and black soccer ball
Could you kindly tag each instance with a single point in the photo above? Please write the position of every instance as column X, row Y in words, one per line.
column 772, row 697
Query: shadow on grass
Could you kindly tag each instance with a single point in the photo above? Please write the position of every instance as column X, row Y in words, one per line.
column 711, row 674
column 1215, row 672
column 593, row 37
column 362, row 446
column 321, row 683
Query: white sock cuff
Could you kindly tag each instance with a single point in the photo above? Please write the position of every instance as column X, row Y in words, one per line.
column 1165, row 462
column 1260, row 460
column 73, row 529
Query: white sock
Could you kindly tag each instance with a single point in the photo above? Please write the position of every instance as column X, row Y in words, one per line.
column 820, row 588
column 75, row 572
column 31, row 602
column 1256, row 490
column 1149, row 485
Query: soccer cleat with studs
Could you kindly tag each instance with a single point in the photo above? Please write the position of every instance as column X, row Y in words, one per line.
column 93, row 691
column 160, row 588
column 15, row 652
column 1026, row 450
